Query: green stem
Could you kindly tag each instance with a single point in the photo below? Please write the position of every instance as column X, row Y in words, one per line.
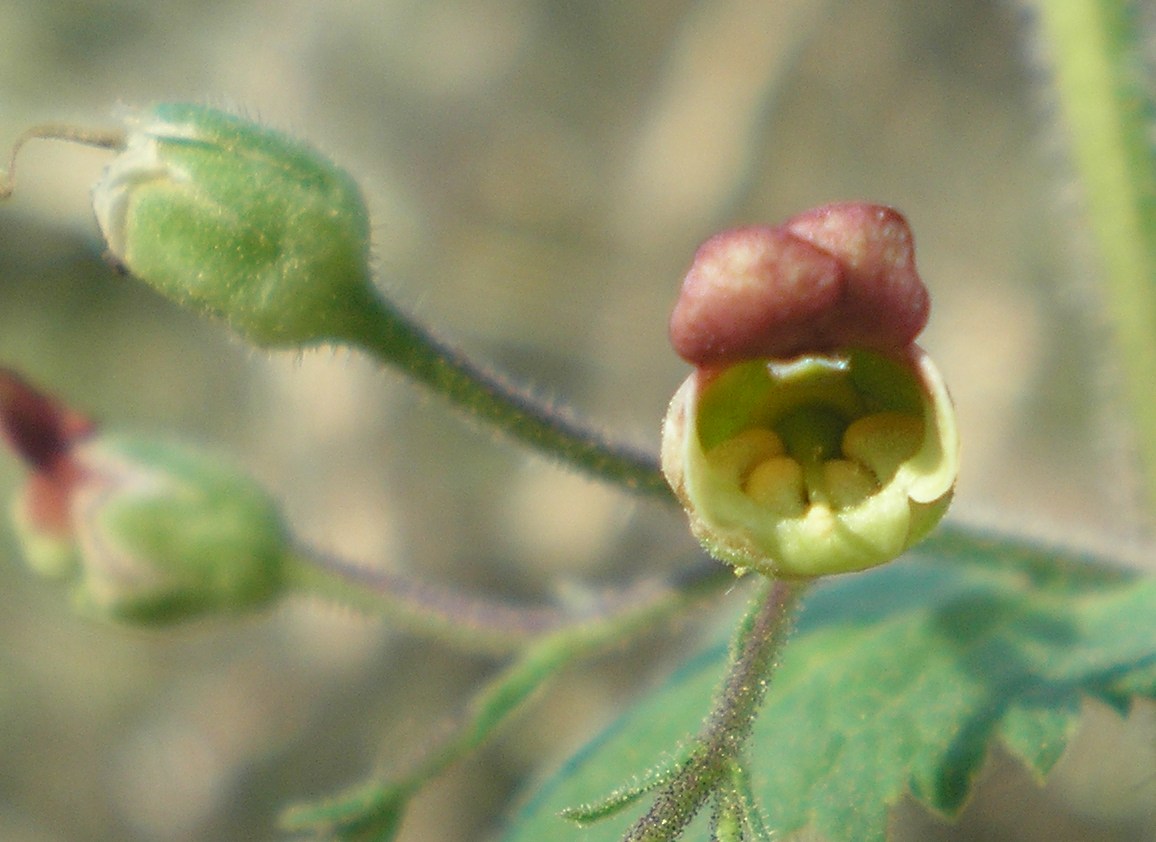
column 1105, row 100
column 758, row 641
column 376, row 805
column 396, row 340
column 420, row 607
column 490, row 625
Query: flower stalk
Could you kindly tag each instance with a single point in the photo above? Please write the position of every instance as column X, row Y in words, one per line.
column 719, row 747
column 242, row 222
column 489, row 398
column 492, row 626
column 113, row 139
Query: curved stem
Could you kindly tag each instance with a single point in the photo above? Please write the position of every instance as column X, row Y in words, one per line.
column 397, row 340
column 494, row 626
column 719, row 745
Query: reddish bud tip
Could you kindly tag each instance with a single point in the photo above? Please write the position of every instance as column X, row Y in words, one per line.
column 838, row 276
column 42, row 432
column 38, row 428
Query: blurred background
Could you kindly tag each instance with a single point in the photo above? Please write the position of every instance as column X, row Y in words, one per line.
column 540, row 173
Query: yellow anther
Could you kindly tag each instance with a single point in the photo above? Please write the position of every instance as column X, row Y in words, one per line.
column 847, row 483
column 777, row 485
column 883, row 441
column 737, row 456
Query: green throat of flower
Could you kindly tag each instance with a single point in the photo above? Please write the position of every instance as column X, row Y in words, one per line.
column 816, row 465
column 815, row 456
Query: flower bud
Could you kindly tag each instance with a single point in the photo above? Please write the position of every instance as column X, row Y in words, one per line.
column 814, row 436
column 143, row 531
column 238, row 221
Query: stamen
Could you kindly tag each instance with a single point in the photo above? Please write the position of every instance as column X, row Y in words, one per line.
column 777, row 485
column 736, row 457
column 883, row 441
column 812, row 435
column 847, row 483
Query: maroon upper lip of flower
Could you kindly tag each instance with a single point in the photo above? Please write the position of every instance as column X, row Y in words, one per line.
column 838, row 276
column 42, row 432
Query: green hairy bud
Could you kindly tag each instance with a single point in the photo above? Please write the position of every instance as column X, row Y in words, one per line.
column 143, row 531
column 164, row 531
column 239, row 221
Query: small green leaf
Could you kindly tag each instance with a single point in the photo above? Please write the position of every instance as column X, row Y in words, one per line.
column 898, row 680
column 622, row 797
column 368, row 813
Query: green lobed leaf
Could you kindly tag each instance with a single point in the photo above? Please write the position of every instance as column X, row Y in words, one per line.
column 897, row 680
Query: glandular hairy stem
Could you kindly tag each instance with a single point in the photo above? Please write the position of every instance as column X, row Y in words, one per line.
column 482, row 624
column 720, row 743
column 492, row 399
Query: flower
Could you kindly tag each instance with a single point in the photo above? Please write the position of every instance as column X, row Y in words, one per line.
column 143, row 531
column 238, row 221
column 814, row 436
